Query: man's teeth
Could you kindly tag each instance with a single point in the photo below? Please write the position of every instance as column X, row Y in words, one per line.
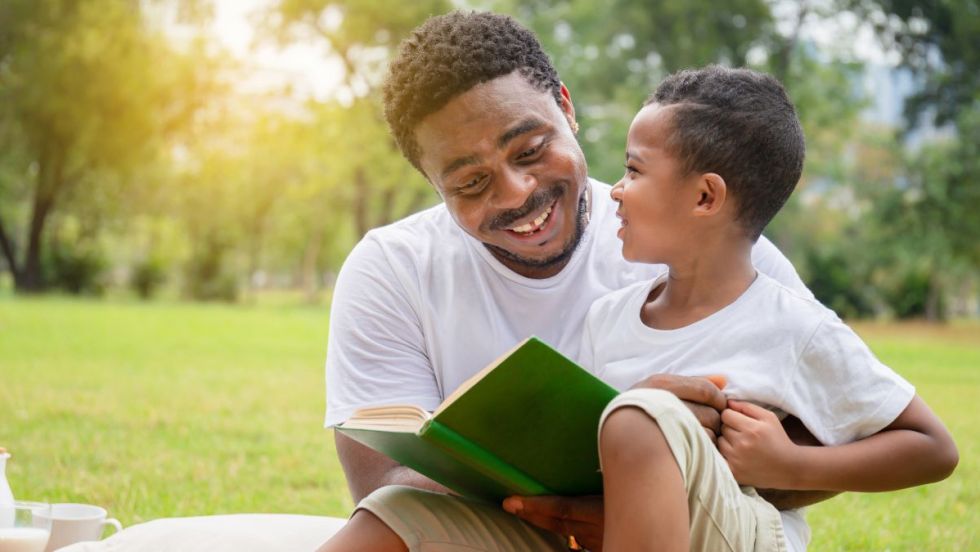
column 534, row 224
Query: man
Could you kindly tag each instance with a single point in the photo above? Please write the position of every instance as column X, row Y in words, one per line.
column 522, row 244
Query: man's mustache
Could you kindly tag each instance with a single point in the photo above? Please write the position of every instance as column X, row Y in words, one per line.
column 537, row 200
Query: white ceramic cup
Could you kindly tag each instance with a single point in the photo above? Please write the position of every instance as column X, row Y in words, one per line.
column 71, row 523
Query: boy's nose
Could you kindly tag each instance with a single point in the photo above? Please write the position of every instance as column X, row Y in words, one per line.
column 617, row 191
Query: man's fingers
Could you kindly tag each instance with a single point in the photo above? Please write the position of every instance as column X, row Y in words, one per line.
column 708, row 417
column 687, row 388
column 711, row 435
column 718, row 380
column 574, row 509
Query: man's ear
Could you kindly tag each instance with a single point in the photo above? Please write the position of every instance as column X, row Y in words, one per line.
column 712, row 194
column 567, row 107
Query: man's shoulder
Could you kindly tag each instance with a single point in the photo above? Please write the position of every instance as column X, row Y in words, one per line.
column 429, row 223
column 413, row 239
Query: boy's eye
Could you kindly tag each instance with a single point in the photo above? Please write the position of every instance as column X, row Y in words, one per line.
column 630, row 169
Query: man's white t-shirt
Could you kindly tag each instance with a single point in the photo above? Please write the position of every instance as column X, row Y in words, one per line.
column 420, row 306
column 777, row 347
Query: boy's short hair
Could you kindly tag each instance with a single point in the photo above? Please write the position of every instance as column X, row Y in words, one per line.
column 449, row 54
column 739, row 124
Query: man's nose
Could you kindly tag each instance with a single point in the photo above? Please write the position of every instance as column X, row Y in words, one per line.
column 513, row 189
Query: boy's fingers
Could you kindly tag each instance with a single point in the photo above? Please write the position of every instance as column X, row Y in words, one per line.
column 733, row 419
column 751, row 410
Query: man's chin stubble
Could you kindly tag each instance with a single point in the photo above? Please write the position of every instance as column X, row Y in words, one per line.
column 562, row 256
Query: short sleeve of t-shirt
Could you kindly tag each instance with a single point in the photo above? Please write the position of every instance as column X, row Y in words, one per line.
column 375, row 349
column 840, row 390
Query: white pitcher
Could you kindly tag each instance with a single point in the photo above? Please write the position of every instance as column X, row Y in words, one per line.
column 6, row 496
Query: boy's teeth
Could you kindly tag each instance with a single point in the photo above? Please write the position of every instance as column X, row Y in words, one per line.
column 534, row 224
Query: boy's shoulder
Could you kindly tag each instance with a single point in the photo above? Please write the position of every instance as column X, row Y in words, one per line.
column 789, row 310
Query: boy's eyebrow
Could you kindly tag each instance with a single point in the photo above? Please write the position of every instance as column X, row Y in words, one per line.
column 632, row 156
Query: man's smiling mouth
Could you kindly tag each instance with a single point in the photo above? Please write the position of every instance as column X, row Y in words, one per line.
column 535, row 225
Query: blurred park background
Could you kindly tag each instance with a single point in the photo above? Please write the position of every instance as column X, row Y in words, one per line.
column 180, row 181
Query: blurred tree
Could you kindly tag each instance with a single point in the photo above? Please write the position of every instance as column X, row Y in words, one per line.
column 940, row 41
column 926, row 225
column 86, row 89
column 362, row 34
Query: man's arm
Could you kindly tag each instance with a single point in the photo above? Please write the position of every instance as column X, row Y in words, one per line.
column 368, row 470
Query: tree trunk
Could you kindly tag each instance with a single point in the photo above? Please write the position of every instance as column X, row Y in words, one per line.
column 362, row 202
column 934, row 307
column 50, row 179
column 8, row 250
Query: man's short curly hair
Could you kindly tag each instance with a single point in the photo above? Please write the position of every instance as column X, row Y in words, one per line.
column 450, row 54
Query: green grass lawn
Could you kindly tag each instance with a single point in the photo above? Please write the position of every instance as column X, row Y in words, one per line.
column 167, row 409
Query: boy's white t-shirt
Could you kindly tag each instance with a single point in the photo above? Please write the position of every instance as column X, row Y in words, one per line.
column 777, row 347
column 420, row 306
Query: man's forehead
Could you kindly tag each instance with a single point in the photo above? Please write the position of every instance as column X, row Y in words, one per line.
column 488, row 115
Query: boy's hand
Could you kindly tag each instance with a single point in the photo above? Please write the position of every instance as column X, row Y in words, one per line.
column 580, row 517
column 756, row 447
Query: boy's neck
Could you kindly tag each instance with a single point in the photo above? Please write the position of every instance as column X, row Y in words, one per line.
column 700, row 285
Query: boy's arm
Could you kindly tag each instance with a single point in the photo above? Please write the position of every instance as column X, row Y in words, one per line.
column 788, row 500
column 913, row 450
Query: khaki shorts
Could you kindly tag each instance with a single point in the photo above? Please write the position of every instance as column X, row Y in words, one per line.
column 724, row 516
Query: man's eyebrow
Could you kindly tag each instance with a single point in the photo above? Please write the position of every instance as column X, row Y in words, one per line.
column 457, row 163
column 525, row 126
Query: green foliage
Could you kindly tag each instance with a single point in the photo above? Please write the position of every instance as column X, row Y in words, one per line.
column 78, row 269
column 87, row 89
column 938, row 40
column 148, row 276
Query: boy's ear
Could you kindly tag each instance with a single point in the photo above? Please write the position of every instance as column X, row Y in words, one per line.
column 712, row 194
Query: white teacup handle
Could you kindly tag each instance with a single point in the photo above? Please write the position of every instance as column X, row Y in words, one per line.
column 114, row 523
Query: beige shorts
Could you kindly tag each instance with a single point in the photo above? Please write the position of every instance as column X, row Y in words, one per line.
column 724, row 516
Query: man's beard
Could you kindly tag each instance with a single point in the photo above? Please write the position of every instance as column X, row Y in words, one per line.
column 559, row 258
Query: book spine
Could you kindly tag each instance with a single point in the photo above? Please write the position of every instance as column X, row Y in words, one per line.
column 482, row 460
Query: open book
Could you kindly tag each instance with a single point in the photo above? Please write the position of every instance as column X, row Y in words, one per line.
column 525, row 425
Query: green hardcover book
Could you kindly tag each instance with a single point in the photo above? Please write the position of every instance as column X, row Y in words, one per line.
column 525, row 425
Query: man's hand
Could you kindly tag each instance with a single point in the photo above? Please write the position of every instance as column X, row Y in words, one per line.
column 749, row 434
column 580, row 517
column 702, row 396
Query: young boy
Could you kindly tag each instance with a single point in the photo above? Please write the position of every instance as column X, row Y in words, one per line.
column 710, row 159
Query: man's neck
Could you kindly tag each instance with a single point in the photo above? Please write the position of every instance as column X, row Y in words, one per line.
column 552, row 269
column 700, row 286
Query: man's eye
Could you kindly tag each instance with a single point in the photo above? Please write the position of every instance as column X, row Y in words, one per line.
column 529, row 152
column 473, row 185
